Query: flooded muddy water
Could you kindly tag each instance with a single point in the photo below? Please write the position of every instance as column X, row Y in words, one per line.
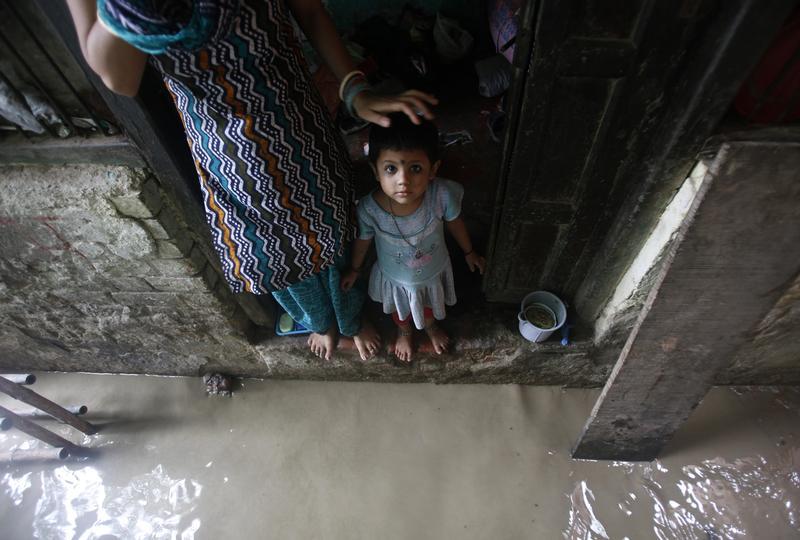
column 360, row 460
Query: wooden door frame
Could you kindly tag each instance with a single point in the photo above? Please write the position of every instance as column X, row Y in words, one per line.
column 739, row 33
column 723, row 60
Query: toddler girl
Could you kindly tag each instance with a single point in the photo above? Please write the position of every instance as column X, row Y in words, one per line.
column 413, row 277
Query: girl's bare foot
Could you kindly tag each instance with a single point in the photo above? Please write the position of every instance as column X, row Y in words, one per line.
column 367, row 341
column 322, row 345
column 404, row 345
column 439, row 338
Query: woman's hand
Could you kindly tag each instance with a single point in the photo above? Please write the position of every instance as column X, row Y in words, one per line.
column 374, row 108
column 349, row 279
column 475, row 261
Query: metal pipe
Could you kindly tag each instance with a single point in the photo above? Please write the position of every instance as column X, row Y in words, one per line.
column 20, row 378
column 35, row 454
column 77, row 410
column 34, row 430
column 53, row 409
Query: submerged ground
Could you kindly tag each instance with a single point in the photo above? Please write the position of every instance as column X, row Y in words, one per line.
column 360, row 460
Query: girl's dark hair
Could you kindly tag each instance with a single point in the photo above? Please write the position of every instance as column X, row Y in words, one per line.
column 403, row 134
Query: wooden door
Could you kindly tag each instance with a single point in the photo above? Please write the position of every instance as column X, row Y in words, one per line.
column 588, row 99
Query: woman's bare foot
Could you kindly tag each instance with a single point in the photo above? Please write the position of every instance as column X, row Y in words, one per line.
column 439, row 338
column 404, row 345
column 322, row 345
column 367, row 341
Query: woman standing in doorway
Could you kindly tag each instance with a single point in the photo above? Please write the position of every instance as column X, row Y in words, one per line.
column 275, row 175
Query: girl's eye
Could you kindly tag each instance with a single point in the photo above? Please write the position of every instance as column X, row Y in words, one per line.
column 391, row 169
column 416, row 169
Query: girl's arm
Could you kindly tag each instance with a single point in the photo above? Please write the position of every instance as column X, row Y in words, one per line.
column 317, row 25
column 459, row 231
column 360, row 248
column 119, row 64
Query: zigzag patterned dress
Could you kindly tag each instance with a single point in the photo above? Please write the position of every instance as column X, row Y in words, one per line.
column 275, row 176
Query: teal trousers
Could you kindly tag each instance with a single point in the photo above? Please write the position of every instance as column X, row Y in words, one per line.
column 318, row 302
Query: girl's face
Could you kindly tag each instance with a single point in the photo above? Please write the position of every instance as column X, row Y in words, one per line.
column 404, row 175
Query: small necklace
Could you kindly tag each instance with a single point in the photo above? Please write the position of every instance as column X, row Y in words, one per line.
column 417, row 252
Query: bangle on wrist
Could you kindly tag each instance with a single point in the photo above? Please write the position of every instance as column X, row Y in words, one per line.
column 357, row 270
column 353, row 89
column 470, row 252
column 346, row 80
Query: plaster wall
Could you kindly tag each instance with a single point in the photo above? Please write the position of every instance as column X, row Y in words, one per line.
column 98, row 273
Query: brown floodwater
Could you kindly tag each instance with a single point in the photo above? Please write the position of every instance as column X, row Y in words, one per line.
column 335, row 460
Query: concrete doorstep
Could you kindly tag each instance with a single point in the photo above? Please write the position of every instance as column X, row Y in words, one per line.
column 485, row 348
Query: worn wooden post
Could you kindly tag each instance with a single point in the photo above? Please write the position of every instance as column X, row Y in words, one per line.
column 34, row 430
column 53, row 409
column 735, row 254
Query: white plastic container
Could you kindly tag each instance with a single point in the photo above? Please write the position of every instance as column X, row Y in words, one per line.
column 548, row 302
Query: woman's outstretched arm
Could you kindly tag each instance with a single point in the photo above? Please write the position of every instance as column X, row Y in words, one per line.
column 119, row 64
column 320, row 30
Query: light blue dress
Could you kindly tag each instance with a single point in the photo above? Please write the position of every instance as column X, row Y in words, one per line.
column 413, row 269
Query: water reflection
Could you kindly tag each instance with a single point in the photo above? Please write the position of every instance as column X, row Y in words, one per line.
column 15, row 487
column 74, row 502
column 713, row 500
column 191, row 482
column 582, row 521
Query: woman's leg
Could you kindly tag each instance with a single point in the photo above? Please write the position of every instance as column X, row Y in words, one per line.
column 309, row 303
column 347, row 308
